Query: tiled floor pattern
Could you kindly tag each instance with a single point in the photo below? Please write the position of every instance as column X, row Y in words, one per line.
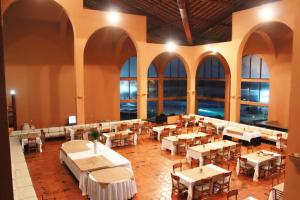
column 151, row 166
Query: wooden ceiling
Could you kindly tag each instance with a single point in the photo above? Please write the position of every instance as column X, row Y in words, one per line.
column 191, row 22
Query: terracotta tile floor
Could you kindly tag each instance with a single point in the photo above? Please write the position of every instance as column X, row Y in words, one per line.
column 151, row 167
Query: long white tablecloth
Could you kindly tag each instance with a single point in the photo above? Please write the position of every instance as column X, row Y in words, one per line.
column 246, row 136
column 159, row 129
column 122, row 190
column 24, row 141
column 168, row 142
column 82, row 177
column 255, row 163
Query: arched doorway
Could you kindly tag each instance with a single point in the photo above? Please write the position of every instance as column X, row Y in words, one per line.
column 110, row 75
column 265, row 74
column 39, row 62
column 213, row 87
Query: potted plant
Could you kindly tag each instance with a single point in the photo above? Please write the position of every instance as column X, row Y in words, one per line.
column 95, row 135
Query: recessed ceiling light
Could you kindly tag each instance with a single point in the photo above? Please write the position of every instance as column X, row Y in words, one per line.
column 171, row 46
column 266, row 13
column 113, row 17
column 12, row 92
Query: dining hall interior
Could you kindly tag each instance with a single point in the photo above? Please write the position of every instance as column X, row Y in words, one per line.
column 149, row 99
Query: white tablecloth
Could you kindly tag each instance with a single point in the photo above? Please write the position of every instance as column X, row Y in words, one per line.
column 108, row 139
column 159, row 129
column 24, row 141
column 255, row 163
column 122, row 190
column 82, row 177
column 168, row 142
column 189, row 183
column 246, row 136
column 219, row 125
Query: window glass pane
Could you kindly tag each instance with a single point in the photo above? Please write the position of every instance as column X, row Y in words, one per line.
column 175, row 107
column 254, row 92
column 255, row 66
column 133, row 89
column 182, row 72
column 167, row 71
column 152, row 89
column 174, row 67
column 208, row 88
column 222, row 71
column 167, row 88
column 151, row 109
column 201, row 71
column 264, row 93
column 152, row 71
column 246, row 67
column 264, row 70
column 133, row 67
column 211, row 109
column 125, row 70
column 245, row 91
column 207, row 68
column 128, row 110
column 124, row 90
column 215, row 68
column 252, row 114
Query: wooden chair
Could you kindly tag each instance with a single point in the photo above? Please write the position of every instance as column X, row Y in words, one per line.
column 190, row 129
column 268, row 169
column 278, row 195
column 275, row 178
column 204, row 140
column 202, row 129
column 195, row 163
column 129, row 140
column 164, row 133
column 197, row 140
column 232, row 193
column 79, row 134
column 32, row 144
column 250, row 149
column 177, row 187
column 224, row 183
column 43, row 136
column 102, row 139
column 236, row 152
column 152, row 134
column 276, row 149
column 177, row 166
column 190, row 143
column 145, row 128
column 202, row 189
column 280, row 165
column 217, row 137
column 178, row 131
column 117, row 140
column 225, row 154
column 213, row 156
column 181, row 146
column 245, row 168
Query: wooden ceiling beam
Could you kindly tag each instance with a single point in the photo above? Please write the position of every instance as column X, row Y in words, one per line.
column 182, row 5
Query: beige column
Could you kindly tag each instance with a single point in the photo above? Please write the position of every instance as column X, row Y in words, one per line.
column 142, row 89
column 235, row 88
column 191, row 92
column 292, row 178
column 79, row 45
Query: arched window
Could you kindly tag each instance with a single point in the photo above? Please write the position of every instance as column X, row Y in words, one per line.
column 175, row 86
column 210, row 85
column 128, row 90
column 255, row 90
column 152, row 92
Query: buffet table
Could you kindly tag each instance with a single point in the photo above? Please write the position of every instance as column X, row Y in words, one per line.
column 248, row 137
column 170, row 142
column 81, row 159
column 111, row 184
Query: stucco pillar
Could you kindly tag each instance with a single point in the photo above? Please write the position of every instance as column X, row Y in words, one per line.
column 191, row 92
column 79, row 45
column 235, row 88
column 142, row 89
column 292, row 178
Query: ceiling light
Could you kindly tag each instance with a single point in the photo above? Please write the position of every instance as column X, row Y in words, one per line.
column 266, row 13
column 12, row 92
column 113, row 17
column 211, row 49
column 171, row 46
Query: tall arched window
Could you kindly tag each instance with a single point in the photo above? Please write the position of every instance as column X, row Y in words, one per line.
column 175, row 86
column 128, row 90
column 210, row 85
column 255, row 88
column 152, row 104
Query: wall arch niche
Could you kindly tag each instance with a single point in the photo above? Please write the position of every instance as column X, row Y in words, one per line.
column 167, row 85
column 108, row 52
column 38, row 38
column 213, row 87
column 266, row 74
